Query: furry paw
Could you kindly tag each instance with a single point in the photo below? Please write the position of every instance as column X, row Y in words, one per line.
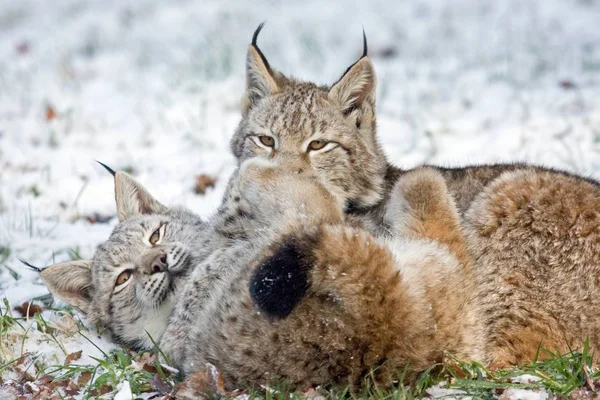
column 418, row 197
column 280, row 281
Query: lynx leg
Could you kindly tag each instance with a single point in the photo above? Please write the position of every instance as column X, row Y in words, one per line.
column 421, row 207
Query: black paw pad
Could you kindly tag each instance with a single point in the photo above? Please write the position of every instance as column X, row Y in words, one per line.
column 281, row 280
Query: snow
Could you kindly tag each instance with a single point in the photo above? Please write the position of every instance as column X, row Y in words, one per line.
column 124, row 392
column 522, row 394
column 156, row 86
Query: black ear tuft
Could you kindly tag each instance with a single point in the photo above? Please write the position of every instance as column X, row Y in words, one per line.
column 256, row 32
column 280, row 282
column 364, row 43
column 30, row 266
column 109, row 169
column 255, row 45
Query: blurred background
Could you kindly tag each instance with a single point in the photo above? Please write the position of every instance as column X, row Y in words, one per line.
column 154, row 88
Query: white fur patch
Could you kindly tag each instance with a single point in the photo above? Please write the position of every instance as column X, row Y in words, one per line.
column 154, row 322
column 417, row 258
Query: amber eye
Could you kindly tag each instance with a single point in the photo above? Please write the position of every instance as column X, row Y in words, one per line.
column 123, row 277
column 155, row 236
column 316, row 145
column 267, row 140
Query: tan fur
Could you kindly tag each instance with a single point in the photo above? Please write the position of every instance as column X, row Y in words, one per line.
column 531, row 232
column 371, row 306
column 518, row 268
column 535, row 237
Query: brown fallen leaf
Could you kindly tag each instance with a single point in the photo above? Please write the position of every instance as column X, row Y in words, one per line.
column 203, row 183
column 61, row 383
column 73, row 357
column 567, row 84
column 104, row 389
column 160, row 385
column 72, row 392
column 50, row 113
column 96, row 218
column 84, row 378
column 149, row 368
column 28, row 309
column 44, row 380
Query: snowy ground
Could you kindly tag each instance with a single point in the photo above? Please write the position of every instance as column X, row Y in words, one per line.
column 155, row 86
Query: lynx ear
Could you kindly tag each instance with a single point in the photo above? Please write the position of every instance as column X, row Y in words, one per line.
column 261, row 79
column 71, row 282
column 356, row 88
column 132, row 199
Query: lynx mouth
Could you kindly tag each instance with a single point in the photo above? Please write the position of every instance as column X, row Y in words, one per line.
column 180, row 264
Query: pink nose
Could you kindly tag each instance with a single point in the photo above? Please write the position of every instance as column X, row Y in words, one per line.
column 159, row 264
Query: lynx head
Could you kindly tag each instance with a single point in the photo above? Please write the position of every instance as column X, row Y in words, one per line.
column 130, row 285
column 327, row 132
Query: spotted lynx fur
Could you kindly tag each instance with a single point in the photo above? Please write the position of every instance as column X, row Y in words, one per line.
column 277, row 286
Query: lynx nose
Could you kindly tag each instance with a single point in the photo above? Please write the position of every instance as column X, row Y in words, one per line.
column 159, row 264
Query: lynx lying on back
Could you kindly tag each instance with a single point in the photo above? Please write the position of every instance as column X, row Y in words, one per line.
column 277, row 286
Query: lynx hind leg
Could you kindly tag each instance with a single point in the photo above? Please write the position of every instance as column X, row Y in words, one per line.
column 344, row 263
column 420, row 207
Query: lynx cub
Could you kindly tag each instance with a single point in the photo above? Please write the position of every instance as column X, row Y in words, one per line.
column 277, row 286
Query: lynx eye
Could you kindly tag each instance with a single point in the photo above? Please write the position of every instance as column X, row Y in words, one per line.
column 155, row 237
column 123, row 277
column 266, row 140
column 317, row 145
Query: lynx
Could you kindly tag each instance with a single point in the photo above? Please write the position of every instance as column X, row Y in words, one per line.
column 520, row 221
column 277, row 286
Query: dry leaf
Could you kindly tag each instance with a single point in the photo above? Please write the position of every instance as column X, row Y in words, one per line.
column 84, row 378
column 28, row 309
column 96, row 218
column 73, row 357
column 160, row 386
column 44, row 380
column 567, row 84
column 203, row 182
column 50, row 113
column 104, row 389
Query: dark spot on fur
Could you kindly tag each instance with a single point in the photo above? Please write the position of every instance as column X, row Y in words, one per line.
column 352, row 207
column 281, row 280
column 244, row 214
column 248, row 353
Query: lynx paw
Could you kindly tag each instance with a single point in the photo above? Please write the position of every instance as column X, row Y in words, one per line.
column 281, row 281
column 419, row 197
